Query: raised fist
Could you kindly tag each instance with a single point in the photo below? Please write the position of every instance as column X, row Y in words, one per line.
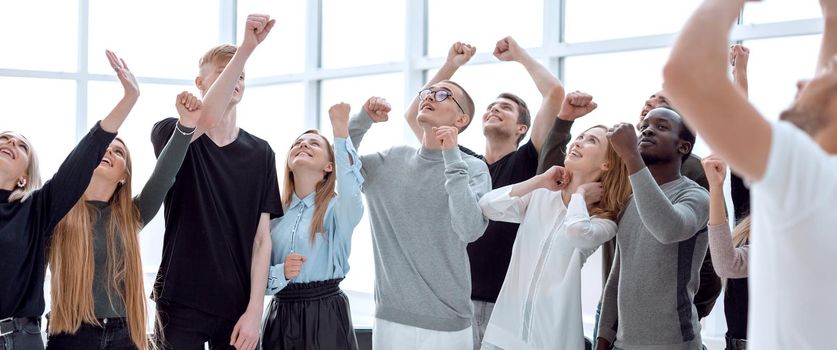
column 623, row 139
column 378, row 109
column 189, row 108
column 507, row 49
column 576, row 105
column 256, row 30
column 460, row 53
column 447, row 136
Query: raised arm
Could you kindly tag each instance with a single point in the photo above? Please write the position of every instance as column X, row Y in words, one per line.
column 459, row 54
column 348, row 209
column 171, row 158
column 828, row 47
column 114, row 119
column 507, row 49
column 465, row 186
column 554, row 150
column 696, row 72
column 729, row 261
column 375, row 110
column 669, row 222
column 217, row 98
column 739, row 57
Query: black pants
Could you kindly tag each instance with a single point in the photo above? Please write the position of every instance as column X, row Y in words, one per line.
column 185, row 328
column 309, row 316
column 27, row 336
column 113, row 334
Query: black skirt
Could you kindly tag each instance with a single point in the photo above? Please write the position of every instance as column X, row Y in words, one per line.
column 309, row 316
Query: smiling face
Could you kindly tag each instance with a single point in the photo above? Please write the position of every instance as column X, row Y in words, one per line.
column 113, row 168
column 656, row 100
column 660, row 137
column 14, row 158
column 587, row 155
column 311, row 151
column 502, row 119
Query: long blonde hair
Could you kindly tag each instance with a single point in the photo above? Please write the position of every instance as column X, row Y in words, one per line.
column 71, row 261
column 616, row 185
column 324, row 191
column 33, row 172
column 741, row 232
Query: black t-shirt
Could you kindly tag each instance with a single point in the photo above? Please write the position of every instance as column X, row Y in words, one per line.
column 27, row 226
column 211, row 216
column 490, row 255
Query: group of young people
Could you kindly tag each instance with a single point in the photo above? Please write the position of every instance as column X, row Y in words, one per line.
column 476, row 251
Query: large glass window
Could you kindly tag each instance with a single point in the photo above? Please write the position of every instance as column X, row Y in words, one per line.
column 591, row 20
column 283, row 52
column 481, row 23
column 349, row 39
column 39, row 34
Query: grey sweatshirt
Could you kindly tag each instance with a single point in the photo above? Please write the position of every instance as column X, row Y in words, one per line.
column 656, row 271
column 424, row 209
column 106, row 300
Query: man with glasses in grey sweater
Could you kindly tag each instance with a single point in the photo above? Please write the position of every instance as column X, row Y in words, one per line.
column 423, row 206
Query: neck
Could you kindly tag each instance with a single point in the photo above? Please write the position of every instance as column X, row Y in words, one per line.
column 827, row 141
column 99, row 190
column 665, row 172
column 498, row 147
column 8, row 184
column 577, row 180
column 226, row 131
column 429, row 139
column 305, row 182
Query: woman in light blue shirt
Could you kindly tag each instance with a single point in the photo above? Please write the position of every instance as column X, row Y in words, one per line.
column 312, row 241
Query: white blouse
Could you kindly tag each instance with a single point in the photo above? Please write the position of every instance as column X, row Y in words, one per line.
column 539, row 306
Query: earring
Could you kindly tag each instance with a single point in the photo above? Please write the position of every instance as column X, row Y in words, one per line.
column 21, row 183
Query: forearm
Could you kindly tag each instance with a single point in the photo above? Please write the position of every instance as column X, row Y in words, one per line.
column 544, row 80
column 729, row 262
column 554, row 148
column 446, row 72
column 260, row 265
column 217, row 98
column 117, row 115
column 717, row 206
column 666, row 221
column 523, row 188
column 582, row 231
column 464, row 192
column 828, row 47
column 739, row 74
column 358, row 126
column 163, row 176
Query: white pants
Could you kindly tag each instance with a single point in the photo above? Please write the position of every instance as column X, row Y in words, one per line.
column 390, row 335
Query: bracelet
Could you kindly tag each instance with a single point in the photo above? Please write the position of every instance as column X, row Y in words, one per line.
column 177, row 127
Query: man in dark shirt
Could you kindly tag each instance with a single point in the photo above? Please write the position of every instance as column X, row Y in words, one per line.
column 505, row 124
column 216, row 248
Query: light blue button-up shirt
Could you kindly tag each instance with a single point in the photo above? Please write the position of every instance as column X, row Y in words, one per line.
column 328, row 256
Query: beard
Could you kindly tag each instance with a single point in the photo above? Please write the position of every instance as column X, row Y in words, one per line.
column 809, row 122
column 652, row 159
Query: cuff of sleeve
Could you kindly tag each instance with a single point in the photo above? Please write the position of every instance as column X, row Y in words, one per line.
column 341, row 143
column 577, row 210
column 98, row 132
column 276, row 279
column 452, row 155
column 561, row 124
column 608, row 334
column 363, row 118
column 642, row 178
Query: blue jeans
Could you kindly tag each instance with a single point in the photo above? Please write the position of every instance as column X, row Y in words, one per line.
column 113, row 334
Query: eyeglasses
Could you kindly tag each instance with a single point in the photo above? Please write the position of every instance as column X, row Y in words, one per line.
column 439, row 96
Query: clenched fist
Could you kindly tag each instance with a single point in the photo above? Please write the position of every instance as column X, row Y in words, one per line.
column 378, row 109
column 576, row 105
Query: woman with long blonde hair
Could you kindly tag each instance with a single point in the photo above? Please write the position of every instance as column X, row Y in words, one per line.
column 98, row 297
column 311, row 243
column 29, row 212
column 565, row 214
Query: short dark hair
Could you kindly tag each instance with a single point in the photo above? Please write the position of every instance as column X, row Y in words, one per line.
column 467, row 104
column 523, row 116
column 685, row 133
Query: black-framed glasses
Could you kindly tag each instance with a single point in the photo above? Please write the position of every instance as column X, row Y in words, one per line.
column 439, row 96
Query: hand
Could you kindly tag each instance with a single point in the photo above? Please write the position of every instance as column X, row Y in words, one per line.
column 378, row 109
column 245, row 335
column 716, row 171
column 339, row 115
column 189, row 108
column 592, row 193
column 602, row 344
column 460, row 53
column 293, row 264
column 623, row 139
column 576, row 105
column 447, row 136
column 129, row 83
column 739, row 55
column 256, row 30
column 555, row 178
column 507, row 49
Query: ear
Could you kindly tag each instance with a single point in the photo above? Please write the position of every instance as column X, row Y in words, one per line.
column 461, row 121
column 684, row 147
column 329, row 167
column 605, row 166
column 21, row 182
column 522, row 129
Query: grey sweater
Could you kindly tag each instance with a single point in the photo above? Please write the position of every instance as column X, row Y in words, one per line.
column 423, row 206
column 106, row 300
column 660, row 249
